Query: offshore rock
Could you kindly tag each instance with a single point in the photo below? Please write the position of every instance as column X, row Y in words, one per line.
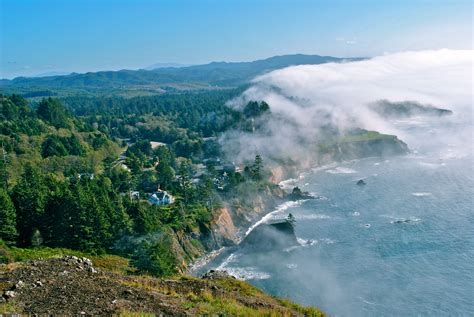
column 271, row 236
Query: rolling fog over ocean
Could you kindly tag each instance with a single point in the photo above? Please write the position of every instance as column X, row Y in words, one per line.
column 402, row 244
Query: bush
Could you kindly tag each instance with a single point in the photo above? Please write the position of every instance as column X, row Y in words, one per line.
column 156, row 257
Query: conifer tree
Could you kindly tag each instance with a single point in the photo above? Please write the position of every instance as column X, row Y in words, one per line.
column 8, row 231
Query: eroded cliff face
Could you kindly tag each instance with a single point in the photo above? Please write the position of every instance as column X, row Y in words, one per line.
column 238, row 213
column 224, row 225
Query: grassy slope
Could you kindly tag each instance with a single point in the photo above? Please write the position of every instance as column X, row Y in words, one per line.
column 191, row 295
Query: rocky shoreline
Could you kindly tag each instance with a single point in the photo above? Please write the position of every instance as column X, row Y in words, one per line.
column 233, row 224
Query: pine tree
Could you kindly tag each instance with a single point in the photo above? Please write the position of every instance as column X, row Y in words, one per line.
column 291, row 219
column 257, row 168
column 53, row 112
column 8, row 231
column 29, row 197
column 3, row 167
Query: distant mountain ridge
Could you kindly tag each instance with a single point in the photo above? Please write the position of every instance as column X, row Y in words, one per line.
column 166, row 65
column 212, row 75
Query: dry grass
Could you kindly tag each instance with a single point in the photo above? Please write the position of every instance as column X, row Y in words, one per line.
column 8, row 308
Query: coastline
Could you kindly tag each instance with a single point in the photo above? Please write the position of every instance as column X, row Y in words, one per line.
column 286, row 184
column 196, row 265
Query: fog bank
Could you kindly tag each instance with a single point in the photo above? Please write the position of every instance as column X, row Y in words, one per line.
column 308, row 102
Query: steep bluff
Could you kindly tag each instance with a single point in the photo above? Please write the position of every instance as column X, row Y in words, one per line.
column 238, row 213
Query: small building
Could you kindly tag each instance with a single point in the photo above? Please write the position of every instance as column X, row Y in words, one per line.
column 134, row 194
column 155, row 144
column 160, row 198
column 125, row 167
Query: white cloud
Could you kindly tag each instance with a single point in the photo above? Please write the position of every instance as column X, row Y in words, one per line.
column 303, row 99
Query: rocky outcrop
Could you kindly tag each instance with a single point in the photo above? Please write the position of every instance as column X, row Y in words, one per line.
column 216, row 274
column 359, row 145
column 298, row 194
column 405, row 109
column 271, row 236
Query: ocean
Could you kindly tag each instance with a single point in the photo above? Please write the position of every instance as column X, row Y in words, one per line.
column 401, row 245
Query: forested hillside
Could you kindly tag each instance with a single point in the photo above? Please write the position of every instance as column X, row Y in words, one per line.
column 83, row 182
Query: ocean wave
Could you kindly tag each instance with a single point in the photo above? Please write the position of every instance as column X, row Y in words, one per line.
column 431, row 165
column 292, row 265
column 327, row 241
column 341, row 170
column 270, row 215
column 304, row 217
column 288, row 183
column 230, row 259
column 324, row 167
column 202, row 261
column 247, row 273
column 313, row 217
column 406, row 220
column 306, row 242
column 311, row 242
column 355, row 214
column 421, row 194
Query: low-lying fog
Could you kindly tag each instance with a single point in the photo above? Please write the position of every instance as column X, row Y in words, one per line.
column 306, row 100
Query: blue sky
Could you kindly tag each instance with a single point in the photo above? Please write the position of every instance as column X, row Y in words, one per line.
column 43, row 36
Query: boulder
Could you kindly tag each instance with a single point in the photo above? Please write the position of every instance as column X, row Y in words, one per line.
column 9, row 294
column 216, row 274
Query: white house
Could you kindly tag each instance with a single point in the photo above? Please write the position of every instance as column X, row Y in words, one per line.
column 134, row 194
column 155, row 144
column 160, row 198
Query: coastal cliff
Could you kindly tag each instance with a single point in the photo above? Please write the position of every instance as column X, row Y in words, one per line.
column 356, row 144
column 361, row 145
column 239, row 212
column 248, row 205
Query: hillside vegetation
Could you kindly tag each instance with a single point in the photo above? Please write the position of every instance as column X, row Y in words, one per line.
column 74, row 182
column 73, row 284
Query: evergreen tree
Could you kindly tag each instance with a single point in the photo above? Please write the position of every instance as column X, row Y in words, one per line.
column 53, row 112
column 291, row 219
column 8, row 230
column 165, row 167
column 3, row 168
column 29, row 197
column 257, row 168
column 184, row 182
